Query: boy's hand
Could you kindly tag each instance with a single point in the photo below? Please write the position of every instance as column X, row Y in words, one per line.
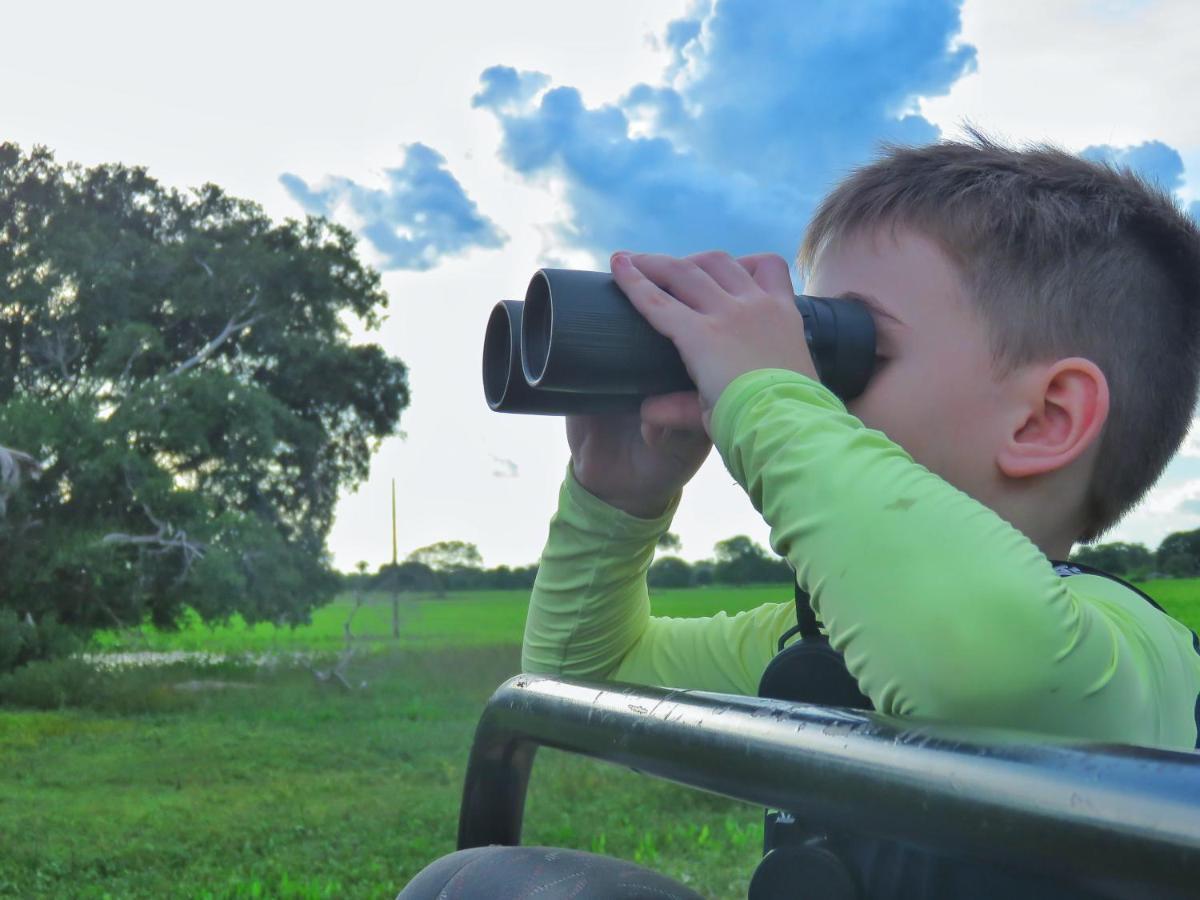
column 639, row 462
column 725, row 316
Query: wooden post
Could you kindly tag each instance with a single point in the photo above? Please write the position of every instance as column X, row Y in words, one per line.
column 395, row 584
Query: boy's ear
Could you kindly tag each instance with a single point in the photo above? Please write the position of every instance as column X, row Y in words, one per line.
column 1063, row 409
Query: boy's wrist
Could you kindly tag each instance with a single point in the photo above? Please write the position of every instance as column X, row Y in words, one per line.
column 643, row 508
column 639, row 508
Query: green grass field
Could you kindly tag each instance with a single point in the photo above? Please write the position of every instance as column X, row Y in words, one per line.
column 281, row 786
column 485, row 617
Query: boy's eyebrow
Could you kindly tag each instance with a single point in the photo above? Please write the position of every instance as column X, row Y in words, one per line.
column 872, row 304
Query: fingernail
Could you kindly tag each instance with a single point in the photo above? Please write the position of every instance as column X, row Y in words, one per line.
column 620, row 259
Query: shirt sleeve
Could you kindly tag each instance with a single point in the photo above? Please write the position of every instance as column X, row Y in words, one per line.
column 589, row 612
column 941, row 608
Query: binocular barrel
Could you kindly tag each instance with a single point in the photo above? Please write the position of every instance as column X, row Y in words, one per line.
column 577, row 345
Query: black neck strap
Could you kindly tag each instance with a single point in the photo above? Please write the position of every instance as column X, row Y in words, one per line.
column 806, row 621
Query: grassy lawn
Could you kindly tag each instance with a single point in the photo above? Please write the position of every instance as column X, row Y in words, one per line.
column 286, row 787
column 1179, row 597
column 484, row 617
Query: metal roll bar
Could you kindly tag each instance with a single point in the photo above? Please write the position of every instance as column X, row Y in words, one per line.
column 1099, row 810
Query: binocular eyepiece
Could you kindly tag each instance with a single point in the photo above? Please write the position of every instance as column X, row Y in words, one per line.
column 577, row 345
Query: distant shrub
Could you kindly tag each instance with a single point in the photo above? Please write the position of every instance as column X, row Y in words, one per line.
column 53, row 684
column 74, row 682
column 23, row 640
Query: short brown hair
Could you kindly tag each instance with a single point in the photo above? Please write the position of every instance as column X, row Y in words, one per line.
column 1062, row 257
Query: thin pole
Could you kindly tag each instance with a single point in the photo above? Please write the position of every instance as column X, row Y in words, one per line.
column 395, row 583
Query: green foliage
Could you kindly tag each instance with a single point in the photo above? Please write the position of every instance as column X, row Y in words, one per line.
column 181, row 367
column 1118, row 558
column 406, row 576
column 413, row 576
column 445, row 556
column 54, row 684
column 441, row 563
column 741, row 561
column 22, row 639
column 669, row 571
column 668, row 540
column 1179, row 554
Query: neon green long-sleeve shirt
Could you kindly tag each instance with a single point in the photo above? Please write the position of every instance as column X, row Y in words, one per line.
column 941, row 608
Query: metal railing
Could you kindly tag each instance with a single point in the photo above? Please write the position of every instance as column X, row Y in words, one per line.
column 1100, row 810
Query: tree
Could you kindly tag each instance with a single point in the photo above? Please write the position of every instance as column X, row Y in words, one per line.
column 181, row 368
column 668, row 540
column 1180, row 565
column 1179, row 554
column 1125, row 560
column 669, row 572
column 405, row 576
column 445, row 556
column 736, row 548
column 449, row 560
column 741, row 561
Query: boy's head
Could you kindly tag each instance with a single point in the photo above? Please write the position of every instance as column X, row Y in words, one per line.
column 1047, row 358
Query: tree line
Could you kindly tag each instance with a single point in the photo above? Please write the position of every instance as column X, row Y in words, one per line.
column 1177, row 556
column 457, row 566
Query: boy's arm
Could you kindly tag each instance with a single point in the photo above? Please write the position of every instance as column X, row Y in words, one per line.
column 589, row 613
column 941, row 608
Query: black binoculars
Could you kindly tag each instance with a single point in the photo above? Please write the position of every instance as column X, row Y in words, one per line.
column 577, row 345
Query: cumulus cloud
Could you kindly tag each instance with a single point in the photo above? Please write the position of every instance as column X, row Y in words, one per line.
column 762, row 107
column 1153, row 160
column 419, row 216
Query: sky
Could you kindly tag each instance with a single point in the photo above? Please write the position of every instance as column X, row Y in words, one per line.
column 468, row 144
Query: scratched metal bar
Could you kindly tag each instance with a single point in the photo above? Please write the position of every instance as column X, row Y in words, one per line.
column 1131, row 814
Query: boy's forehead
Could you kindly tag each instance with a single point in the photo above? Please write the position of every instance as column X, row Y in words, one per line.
column 897, row 270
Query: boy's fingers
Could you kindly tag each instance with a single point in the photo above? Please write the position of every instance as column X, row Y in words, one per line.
column 681, row 279
column 679, row 410
column 666, row 314
column 769, row 271
column 733, row 278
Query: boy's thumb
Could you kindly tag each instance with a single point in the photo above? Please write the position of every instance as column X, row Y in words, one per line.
column 678, row 410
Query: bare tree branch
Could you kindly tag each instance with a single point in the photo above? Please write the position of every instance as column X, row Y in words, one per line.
column 163, row 541
column 205, row 266
column 167, row 539
column 232, row 327
column 13, row 465
column 137, row 351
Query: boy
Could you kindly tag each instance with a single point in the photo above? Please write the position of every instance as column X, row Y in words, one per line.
column 1038, row 322
column 1038, row 335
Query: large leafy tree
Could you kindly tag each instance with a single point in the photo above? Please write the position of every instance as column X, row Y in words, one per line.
column 740, row 560
column 181, row 368
column 1179, row 554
